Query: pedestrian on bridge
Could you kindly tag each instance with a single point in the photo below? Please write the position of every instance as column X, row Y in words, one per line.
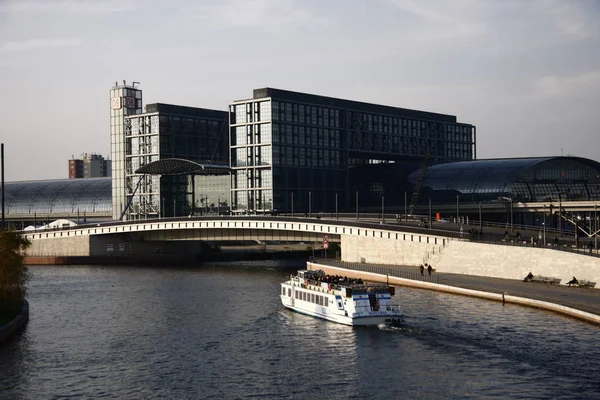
column 422, row 268
column 429, row 269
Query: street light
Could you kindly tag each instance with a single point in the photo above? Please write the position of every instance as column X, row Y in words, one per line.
column 430, row 220
column 336, row 206
column 357, row 204
column 309, row 204
column 457, row 211
column 511, row 214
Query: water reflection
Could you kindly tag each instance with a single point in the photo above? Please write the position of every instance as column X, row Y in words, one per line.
column 221, row 332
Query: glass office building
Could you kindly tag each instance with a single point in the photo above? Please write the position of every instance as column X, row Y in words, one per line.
column 166, row 131
column 292, row 150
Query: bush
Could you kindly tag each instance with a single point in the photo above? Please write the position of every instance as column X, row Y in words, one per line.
column 13, row 274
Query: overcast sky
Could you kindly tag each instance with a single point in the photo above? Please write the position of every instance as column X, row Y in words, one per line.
column 526, row 73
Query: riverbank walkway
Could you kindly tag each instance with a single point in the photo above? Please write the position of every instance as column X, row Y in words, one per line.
column 579, row 298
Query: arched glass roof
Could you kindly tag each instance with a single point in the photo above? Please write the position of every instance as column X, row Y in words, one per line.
column 179, row 166
column 62, row 196
column 519, row 179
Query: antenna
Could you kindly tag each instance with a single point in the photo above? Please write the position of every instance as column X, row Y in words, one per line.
column 135, row 83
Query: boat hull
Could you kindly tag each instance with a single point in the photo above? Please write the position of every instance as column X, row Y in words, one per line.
column 388, row 319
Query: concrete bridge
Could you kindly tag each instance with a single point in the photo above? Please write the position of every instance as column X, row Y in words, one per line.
column 360, row 241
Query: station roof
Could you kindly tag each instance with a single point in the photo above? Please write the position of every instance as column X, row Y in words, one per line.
column 179, row 166
column 59, row 196
column 521, row 179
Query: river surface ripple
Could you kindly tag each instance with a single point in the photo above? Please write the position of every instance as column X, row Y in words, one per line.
column 220, row 332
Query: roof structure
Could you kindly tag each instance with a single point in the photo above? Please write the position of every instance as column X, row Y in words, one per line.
column 59, row 196
column 179, row 166
column 520, row 179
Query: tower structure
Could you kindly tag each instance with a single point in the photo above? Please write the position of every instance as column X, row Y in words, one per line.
column 125, row 100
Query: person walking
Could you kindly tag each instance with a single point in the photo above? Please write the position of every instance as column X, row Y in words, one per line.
column 429, row 269
column 422, row 269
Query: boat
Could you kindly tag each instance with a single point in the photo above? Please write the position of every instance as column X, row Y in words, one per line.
column 343, row 300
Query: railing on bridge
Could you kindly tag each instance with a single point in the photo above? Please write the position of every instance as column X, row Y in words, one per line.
column 377, row 269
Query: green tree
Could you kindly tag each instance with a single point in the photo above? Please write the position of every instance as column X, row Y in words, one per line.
column 13, row 273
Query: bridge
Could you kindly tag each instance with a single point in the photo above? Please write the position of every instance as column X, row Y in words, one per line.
column 360, row 241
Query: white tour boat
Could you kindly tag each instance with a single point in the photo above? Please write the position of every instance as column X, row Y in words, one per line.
column 344, row 300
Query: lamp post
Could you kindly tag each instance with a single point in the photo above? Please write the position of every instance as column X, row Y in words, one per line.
column 309, row 204
column 292, row 195
column 336, row 206
column 457, row 211
column 405, row 213
column 480, row 218
column 383, row 208
column 511, row 214
column 544, row 223
column 430, row 220
column 559, row 214
column 357, row 204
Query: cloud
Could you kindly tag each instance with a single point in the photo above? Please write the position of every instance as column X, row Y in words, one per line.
column 581, row 85
column 37, row 44
column 68, row 6
column 440, row 20
column 262, row 14
column 567, row 18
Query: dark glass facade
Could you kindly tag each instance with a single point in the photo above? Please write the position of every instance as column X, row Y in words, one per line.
column 294, row 150
column 171, row 131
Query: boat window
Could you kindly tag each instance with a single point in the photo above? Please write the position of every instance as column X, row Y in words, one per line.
column 283, row 291
column 312, row 297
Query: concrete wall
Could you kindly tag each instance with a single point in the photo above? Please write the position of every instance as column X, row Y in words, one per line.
column 409, row 249
column 60, row 246
column 511, row 262
column 471, row 258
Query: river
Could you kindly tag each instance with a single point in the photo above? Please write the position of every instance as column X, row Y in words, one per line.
column 220, row 332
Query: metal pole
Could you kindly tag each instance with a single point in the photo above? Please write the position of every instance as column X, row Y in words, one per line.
column 544, row 225
column 480, row 218
column 174, row 205
column 457, row 211
column 336, row 206
column 383, row 208
column 309, row 204
column 430, row 220
column 2, row 162
column 405, row 214
column 595, row 229
column 511, row 214
column 292, row 204
column 559, row 214
column 357, row 204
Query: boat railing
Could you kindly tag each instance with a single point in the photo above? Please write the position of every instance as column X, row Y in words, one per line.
column 382, row 308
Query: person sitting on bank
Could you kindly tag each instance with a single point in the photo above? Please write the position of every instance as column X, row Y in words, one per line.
column 528, row 277
column 573, row 281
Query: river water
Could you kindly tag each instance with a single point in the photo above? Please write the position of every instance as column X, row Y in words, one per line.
column 220, row 332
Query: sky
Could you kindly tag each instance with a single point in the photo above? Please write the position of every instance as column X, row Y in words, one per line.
column 526, row 73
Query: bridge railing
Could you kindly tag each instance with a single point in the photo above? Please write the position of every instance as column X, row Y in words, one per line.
column 377, row 269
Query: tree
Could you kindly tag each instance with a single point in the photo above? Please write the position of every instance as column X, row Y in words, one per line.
column 13, row 273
